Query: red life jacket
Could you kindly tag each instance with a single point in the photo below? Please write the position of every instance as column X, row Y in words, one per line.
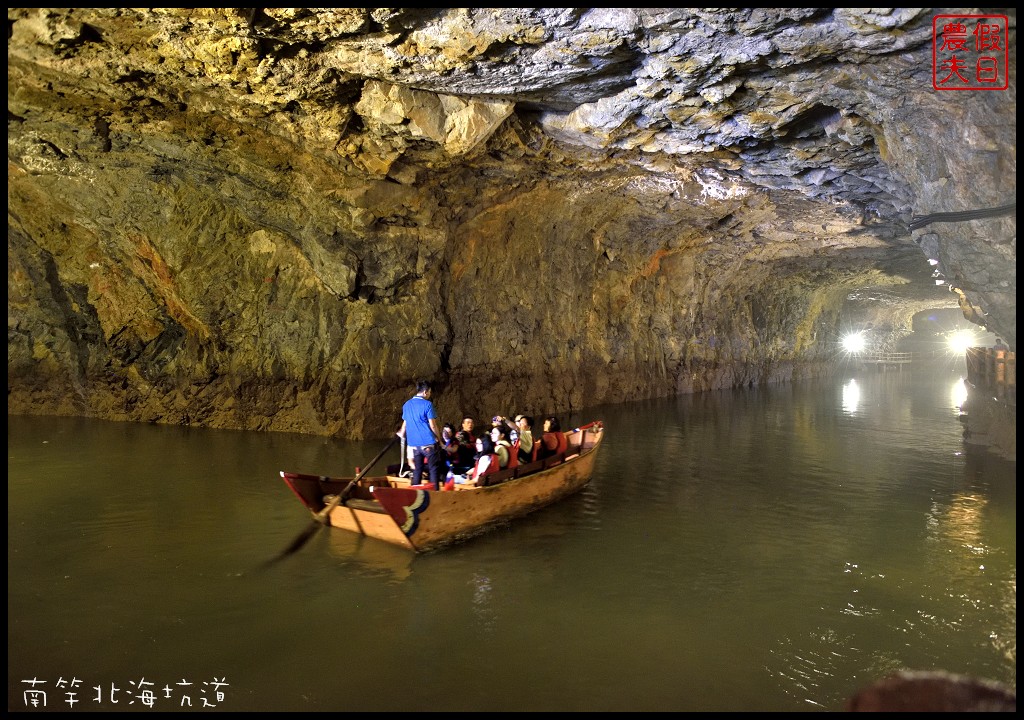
column 513, row 456
column 492, row 467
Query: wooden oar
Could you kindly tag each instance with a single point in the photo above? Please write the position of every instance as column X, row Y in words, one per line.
column 320, row 518
column 341, row 497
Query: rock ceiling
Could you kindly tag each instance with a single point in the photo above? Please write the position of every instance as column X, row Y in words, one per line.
column 279, row 218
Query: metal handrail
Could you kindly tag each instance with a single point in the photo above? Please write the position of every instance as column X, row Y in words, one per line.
column 888, row 357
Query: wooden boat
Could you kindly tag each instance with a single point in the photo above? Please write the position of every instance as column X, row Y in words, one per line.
column 387, row 507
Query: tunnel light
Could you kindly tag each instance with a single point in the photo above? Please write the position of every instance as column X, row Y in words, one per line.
column 960, row 340
column 854, row 342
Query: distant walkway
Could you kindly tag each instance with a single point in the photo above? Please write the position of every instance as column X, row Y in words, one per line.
column 887, row 358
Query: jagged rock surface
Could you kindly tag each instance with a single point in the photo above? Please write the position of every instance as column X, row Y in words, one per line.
column 281, row 218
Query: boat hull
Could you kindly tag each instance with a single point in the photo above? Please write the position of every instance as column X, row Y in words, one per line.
column 387, row 509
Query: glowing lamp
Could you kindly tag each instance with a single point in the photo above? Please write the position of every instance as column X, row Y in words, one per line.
column 854, row 342
column 960, row 340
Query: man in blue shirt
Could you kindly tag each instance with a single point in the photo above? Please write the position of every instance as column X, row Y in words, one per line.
column 419, row 428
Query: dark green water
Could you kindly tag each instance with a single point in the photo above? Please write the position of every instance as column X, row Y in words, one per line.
column 773, row 549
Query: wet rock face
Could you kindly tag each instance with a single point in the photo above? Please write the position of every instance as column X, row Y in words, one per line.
column 281, row 218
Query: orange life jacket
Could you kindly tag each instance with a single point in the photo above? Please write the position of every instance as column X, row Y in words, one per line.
column 560, row 441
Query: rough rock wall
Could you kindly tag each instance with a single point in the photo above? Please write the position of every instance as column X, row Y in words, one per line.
column 280, row 219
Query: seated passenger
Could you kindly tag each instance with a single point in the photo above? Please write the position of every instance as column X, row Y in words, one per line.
column 524, row 445
column 467, row 427
column 464, row 459
column 447, row 434
column 502, row 447
column 553, row 441
column 485, row 462
column 450, row 446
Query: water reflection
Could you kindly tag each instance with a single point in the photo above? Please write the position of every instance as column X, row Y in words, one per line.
column 958, row 394
column 851, row 396
column 482, row 600
column 369, row 557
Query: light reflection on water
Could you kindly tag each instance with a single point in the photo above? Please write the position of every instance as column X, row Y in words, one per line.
column 958, row 393
column 767, row 549
column 851, row 396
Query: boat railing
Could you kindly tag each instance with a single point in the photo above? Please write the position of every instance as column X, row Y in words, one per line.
column 554, row 460
column 499, row 477
column 531, row 467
